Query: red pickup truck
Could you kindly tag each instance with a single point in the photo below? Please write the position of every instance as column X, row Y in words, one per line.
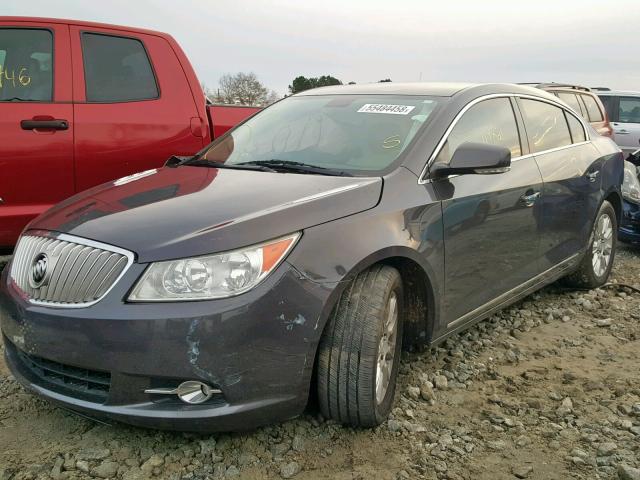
column 84, row 103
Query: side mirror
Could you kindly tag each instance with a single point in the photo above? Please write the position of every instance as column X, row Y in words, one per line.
column 475, row 158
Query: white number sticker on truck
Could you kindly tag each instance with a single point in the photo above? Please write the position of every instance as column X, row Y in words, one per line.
column 390, row 109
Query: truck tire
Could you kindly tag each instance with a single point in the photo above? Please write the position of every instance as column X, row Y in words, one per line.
column 596, row 265
column 359, row 352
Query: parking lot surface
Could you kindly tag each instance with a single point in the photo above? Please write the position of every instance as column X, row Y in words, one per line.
column 547, row 389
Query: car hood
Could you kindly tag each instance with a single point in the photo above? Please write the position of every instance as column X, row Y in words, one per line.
column 187, row 211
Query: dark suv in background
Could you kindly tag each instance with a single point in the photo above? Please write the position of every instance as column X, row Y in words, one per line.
column 584, row 101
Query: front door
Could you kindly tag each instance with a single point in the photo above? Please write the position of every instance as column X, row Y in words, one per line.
column 490, row 221
column 36, row 123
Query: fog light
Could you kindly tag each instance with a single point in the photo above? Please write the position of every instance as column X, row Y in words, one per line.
column 194, row 392
column 191, row 392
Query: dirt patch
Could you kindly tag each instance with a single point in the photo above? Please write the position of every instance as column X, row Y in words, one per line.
column 548, row 389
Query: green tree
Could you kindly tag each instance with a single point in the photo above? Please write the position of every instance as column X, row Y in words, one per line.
column 302, row 83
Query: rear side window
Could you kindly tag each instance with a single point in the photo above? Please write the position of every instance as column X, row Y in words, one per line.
column 629, row 110
column 576, row 128
column 116, row 69
column 595, row 115
column 571, row 100
column 26, row 65
column 490, row 121
column 546, row 125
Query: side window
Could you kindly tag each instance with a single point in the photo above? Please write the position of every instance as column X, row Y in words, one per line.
column 629, row 110
column 595, row 115
column 490, row 121
column 546, row 125
column 116, row 69
column 26, row 65
column 607, row 101
column 571, row 100
column 576, row 128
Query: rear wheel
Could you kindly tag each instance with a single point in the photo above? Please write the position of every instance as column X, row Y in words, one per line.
column 359, row 352
column 596, row 265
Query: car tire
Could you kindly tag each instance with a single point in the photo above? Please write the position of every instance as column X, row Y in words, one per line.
column 359, row 352
column 596, row 265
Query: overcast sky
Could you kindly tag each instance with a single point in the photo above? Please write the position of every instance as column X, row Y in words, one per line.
column 367, row 40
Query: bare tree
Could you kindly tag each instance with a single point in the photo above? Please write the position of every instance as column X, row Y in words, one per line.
column 242, row 88
column 272, row 97
column 210, row 93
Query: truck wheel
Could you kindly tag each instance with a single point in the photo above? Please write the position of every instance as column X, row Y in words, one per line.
column 598, row 261
column 359, row 351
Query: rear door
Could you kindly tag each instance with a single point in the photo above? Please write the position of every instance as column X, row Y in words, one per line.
column 133, row 105
column 36, row 122
column 571, row 172
column 627, row 127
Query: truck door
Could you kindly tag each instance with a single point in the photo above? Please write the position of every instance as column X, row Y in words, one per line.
column 133, row 105
column 36, row 123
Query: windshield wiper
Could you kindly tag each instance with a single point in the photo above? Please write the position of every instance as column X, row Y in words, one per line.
column 200, row 162
column 296, row 167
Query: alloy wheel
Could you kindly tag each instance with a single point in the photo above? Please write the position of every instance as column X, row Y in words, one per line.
column 386, row 348
column 602, row 245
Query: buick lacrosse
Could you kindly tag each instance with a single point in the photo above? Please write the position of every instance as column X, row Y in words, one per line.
column 297, row 254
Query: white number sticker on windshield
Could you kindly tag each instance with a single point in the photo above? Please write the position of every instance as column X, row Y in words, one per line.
column 390, row 109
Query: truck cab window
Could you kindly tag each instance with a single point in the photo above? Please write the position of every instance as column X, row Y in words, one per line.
column 116, row 69
column 26, row 71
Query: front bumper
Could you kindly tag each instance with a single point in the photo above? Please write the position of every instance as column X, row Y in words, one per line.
column 258, row 348
column 629, row 230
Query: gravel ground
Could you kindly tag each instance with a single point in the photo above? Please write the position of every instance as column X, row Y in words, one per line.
column 547, row 389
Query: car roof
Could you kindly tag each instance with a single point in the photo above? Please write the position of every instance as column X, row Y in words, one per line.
column 81, row 23
column 423, row 88
column 391, row 88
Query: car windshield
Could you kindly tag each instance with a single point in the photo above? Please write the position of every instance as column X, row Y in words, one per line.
column 358, row 134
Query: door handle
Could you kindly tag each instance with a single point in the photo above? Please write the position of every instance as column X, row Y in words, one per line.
column 529, row 200
column 593, row 176
column 621, row 132
column 55, row 124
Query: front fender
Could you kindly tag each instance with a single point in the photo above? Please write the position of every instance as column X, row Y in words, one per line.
column 332, row 254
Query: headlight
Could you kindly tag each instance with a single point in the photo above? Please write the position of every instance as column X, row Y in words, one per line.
column 212, row 276
column 631, row 184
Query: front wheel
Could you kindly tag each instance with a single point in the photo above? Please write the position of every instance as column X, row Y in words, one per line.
column 360, row 350
column 596, row 265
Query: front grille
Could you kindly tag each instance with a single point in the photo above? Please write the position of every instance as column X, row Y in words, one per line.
column 90, row 385
column 79, row 272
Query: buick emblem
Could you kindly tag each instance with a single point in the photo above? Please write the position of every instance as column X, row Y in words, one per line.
column 39, row 270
